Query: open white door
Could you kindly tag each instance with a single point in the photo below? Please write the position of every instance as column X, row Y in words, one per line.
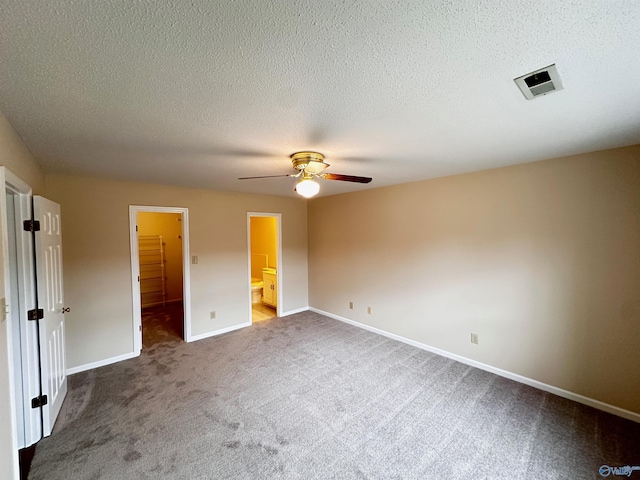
column 50, row 299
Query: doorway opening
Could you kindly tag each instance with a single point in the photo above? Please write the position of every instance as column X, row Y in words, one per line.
column 265, row 261
column 159, row 260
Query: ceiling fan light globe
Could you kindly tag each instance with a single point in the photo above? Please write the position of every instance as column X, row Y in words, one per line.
column 307, row 188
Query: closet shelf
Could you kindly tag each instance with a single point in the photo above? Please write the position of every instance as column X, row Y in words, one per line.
column 152, row 270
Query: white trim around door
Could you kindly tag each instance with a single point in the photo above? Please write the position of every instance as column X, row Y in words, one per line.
column 22, row 354
column 135, row 270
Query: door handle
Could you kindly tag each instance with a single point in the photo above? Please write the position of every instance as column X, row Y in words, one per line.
column 66, row 309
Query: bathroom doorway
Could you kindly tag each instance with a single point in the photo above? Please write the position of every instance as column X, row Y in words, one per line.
column 265, row 260
column 159, row 246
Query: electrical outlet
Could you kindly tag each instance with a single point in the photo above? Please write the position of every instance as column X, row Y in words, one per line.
column 368, row 309
column 212, row 314
column 194, row 259
column 351, row 305
column 474, row 338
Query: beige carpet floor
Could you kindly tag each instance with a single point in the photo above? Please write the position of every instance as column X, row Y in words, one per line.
column 307, row 397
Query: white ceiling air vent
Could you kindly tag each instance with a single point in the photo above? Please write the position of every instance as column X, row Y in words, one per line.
column 540, row 82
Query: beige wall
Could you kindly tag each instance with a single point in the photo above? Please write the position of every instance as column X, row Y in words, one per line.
column 264, row 241
column 541, row 260
column 169, row 225
column 96, row 256
column 16, row 157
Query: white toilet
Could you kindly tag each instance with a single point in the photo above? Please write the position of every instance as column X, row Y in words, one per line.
column 256, row 289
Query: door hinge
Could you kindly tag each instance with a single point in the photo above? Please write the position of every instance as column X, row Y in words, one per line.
column 40, row 401
column 31, row 225
column 35, row 314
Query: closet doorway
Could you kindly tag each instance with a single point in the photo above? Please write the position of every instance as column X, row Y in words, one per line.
column 265, row 265
column 159, row 247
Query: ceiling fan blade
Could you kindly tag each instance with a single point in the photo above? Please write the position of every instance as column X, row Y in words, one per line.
column 314, row 167
column 345, row 178
column 266, row 176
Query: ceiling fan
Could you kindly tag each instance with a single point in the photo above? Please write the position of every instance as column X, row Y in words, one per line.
column 310, row 165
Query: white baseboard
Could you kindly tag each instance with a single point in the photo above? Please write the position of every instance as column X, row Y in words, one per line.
column 291, row 312
column 101, row 363
column 606, row 407
column 218, row 332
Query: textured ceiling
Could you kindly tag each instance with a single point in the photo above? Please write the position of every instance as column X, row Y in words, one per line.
column 198, row 93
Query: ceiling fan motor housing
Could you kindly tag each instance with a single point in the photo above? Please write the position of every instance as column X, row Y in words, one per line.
column 300, row 160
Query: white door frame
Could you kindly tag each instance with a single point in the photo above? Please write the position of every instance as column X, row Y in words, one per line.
column 135, row 270
column 278, row 217
column 31, row 429
column 29, row 350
